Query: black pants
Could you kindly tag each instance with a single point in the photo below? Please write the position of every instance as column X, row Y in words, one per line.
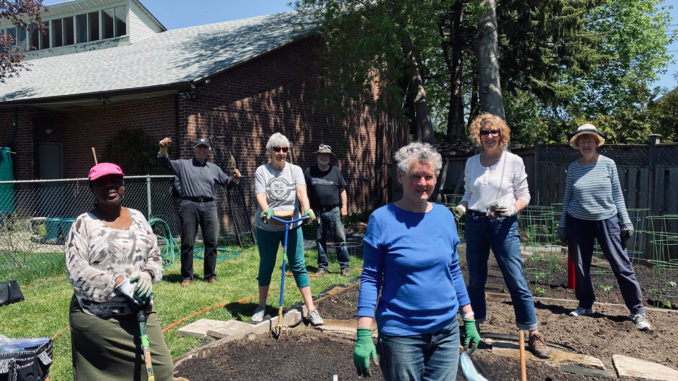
column 193, row 214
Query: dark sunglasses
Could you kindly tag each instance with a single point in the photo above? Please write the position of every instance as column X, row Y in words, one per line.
column 488, row 132
column 278, row 149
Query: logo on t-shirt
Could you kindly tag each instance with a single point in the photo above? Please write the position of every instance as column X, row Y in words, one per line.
column 278, row 189
column 321, row 181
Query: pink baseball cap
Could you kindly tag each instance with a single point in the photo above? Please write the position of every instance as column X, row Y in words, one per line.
column 103, row 169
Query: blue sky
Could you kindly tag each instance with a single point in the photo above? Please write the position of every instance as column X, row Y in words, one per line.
column 182, row 13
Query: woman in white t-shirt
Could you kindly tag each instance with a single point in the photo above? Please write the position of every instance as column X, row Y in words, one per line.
column 280, row 189
column 495, row 191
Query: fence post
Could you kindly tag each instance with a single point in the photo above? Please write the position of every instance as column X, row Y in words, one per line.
column 653, row 140
column 148, row 196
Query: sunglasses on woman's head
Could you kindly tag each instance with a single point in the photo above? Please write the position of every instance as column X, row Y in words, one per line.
column 488, row 132
column 278, row 149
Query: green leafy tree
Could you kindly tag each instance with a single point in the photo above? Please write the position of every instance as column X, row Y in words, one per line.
column 378, row 44
column 560, row 62
column 25, row 15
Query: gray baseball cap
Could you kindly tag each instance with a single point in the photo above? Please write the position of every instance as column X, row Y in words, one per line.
column 202, row 142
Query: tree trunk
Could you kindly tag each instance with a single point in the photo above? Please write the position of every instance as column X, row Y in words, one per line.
column 422, row 117
column 489, row 88
column 455, row 116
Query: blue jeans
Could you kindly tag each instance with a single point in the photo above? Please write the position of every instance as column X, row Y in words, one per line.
column 580, row 235
column 330, row 226
column 193, row 214
column 500, row 235
column 433, row 356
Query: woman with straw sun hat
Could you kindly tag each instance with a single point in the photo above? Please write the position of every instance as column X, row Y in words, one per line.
column 593, row 207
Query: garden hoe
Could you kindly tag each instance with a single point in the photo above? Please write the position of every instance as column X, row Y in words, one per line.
column 277, row 330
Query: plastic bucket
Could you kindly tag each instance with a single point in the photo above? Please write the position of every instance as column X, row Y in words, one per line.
column 66, row 226
column 53, row 228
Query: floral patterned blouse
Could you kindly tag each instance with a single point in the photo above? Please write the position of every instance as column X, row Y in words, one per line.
column 97, row 254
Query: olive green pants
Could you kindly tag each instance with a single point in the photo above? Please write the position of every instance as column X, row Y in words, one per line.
column 110, row 348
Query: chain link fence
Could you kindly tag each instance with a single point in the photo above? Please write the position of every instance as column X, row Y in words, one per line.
column 36, row 216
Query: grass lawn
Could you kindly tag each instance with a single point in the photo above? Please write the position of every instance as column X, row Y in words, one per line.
column 44, row 312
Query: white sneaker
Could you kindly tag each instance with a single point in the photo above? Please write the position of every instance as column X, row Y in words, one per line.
column 314, row 318
column 258, row 314
column 581, row 311
column 640, row 320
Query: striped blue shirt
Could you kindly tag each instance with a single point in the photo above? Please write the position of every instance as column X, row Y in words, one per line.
column 593, row 193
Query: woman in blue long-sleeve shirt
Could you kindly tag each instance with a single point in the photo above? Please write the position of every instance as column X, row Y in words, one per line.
column 410, row 256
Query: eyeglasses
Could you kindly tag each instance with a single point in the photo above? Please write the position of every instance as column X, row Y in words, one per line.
column 278, row 149
column 420, row 149
column 488, row 132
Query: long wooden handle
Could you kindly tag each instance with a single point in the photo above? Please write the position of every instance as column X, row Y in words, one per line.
column 523, row 370
column 94, row 153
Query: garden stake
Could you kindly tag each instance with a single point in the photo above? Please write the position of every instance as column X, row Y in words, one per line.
column 145, row 346
column 521, row 343
column 277, row 330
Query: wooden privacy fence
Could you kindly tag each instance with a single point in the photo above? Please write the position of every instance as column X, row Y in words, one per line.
column 648, row 173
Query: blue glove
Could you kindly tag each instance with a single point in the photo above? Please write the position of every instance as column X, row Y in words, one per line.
column 364, row 351
column 472, row 337
column 267, row 214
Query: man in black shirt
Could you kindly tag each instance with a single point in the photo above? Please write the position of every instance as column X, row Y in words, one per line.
column 327, row 193
column 197, row 178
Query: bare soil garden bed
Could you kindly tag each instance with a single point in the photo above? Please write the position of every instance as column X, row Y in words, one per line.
column 304, row 353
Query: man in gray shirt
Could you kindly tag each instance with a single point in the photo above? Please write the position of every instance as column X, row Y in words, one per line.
column 197, row 178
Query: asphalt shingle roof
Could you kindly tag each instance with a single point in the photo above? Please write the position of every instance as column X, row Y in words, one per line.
column 172, row 57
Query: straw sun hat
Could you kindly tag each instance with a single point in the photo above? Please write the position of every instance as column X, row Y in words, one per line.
column 587, row 129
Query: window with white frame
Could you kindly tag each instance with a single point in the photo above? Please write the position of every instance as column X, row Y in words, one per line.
column 92, row 26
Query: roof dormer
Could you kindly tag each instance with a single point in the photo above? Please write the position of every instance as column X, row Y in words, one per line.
column 81, row 25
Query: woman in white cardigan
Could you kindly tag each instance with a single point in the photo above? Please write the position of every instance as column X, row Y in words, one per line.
column 495, row 191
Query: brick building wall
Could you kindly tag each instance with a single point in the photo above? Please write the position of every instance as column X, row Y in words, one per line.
column 242, row 108
column 239, row 109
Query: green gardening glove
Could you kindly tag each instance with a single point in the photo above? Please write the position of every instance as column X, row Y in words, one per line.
column 364, row 350
column 472, row 337
column 309, row 213
column 267, row 214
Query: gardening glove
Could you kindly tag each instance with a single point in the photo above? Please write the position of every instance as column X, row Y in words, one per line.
column 505, row 211
column 143, row 285
column 626, row 233
column 126, row 289
column 562, row 236
column 364, row 351
column 459, row 211
column 267, row 214
column 309, row 213
column 471, row 337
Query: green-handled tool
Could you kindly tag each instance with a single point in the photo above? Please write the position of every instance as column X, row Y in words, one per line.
column 145, row 345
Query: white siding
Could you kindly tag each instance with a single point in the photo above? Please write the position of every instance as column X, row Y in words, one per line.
column 139, row 24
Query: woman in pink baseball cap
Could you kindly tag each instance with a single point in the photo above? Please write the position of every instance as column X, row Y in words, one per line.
column 112, row 260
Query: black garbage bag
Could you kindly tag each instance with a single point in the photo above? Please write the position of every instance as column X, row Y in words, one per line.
column 10, row 292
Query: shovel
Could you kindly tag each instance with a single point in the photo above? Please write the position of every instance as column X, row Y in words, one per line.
column 145, row 345
column 277, row 330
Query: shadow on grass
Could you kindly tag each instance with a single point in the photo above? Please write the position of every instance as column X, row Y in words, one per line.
column 244, row 311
